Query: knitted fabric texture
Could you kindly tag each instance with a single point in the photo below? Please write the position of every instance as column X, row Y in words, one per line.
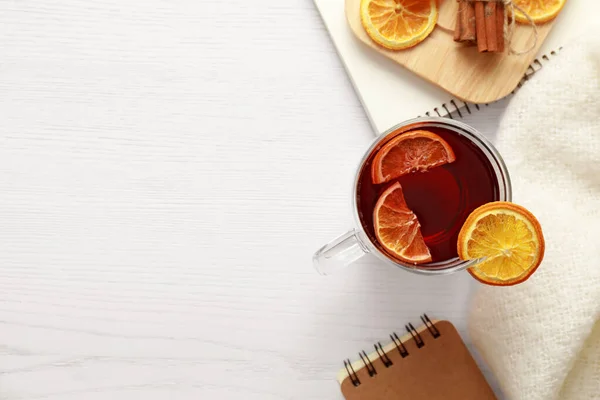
column 542, row 338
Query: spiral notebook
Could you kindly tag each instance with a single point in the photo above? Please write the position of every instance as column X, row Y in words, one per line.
column 390, row 94
column 429, row 362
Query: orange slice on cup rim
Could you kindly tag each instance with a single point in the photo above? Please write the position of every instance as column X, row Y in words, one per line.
column 508, row 240
column 413, row 151
column 398, row 24
column 397, row 228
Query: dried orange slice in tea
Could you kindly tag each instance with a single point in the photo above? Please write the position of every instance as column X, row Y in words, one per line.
column 507, row 237
column 410, row 152
column 398, row 24
column 397, row 228
column 540, row 11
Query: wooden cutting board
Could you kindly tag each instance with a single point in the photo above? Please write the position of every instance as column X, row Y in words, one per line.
column 463, row 71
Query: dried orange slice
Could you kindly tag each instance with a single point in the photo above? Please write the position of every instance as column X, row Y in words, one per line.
column 540, row 11
column 410, row 152
column 398, row 24
column 507, row 237
column 397, row 228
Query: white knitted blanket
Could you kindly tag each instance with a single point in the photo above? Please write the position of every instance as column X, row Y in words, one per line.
column 542, row 338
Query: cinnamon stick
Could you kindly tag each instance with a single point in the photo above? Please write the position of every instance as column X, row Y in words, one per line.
column 491, row 34
column 500, row 26
column 481, row 22
column 458, row 29
column 465, row 22
column 480, row 26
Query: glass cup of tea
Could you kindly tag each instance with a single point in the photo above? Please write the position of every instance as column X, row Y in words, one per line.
column 441, row 197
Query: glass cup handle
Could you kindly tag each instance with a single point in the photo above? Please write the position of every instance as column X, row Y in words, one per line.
column 339, row 253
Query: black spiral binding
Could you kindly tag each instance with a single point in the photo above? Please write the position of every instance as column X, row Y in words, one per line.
column 416, row 336
column 399, row 345
column 370, row 368
column 430, row 327
column 383, row 356
column 455, row 106
column 352, row 375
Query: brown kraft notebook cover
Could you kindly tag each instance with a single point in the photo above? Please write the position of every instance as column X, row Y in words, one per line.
column 430, row 362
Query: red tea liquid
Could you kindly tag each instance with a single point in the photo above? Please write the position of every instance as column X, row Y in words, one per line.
column 442, row 198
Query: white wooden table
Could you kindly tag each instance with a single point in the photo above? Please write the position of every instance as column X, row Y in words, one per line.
column 167, row 169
